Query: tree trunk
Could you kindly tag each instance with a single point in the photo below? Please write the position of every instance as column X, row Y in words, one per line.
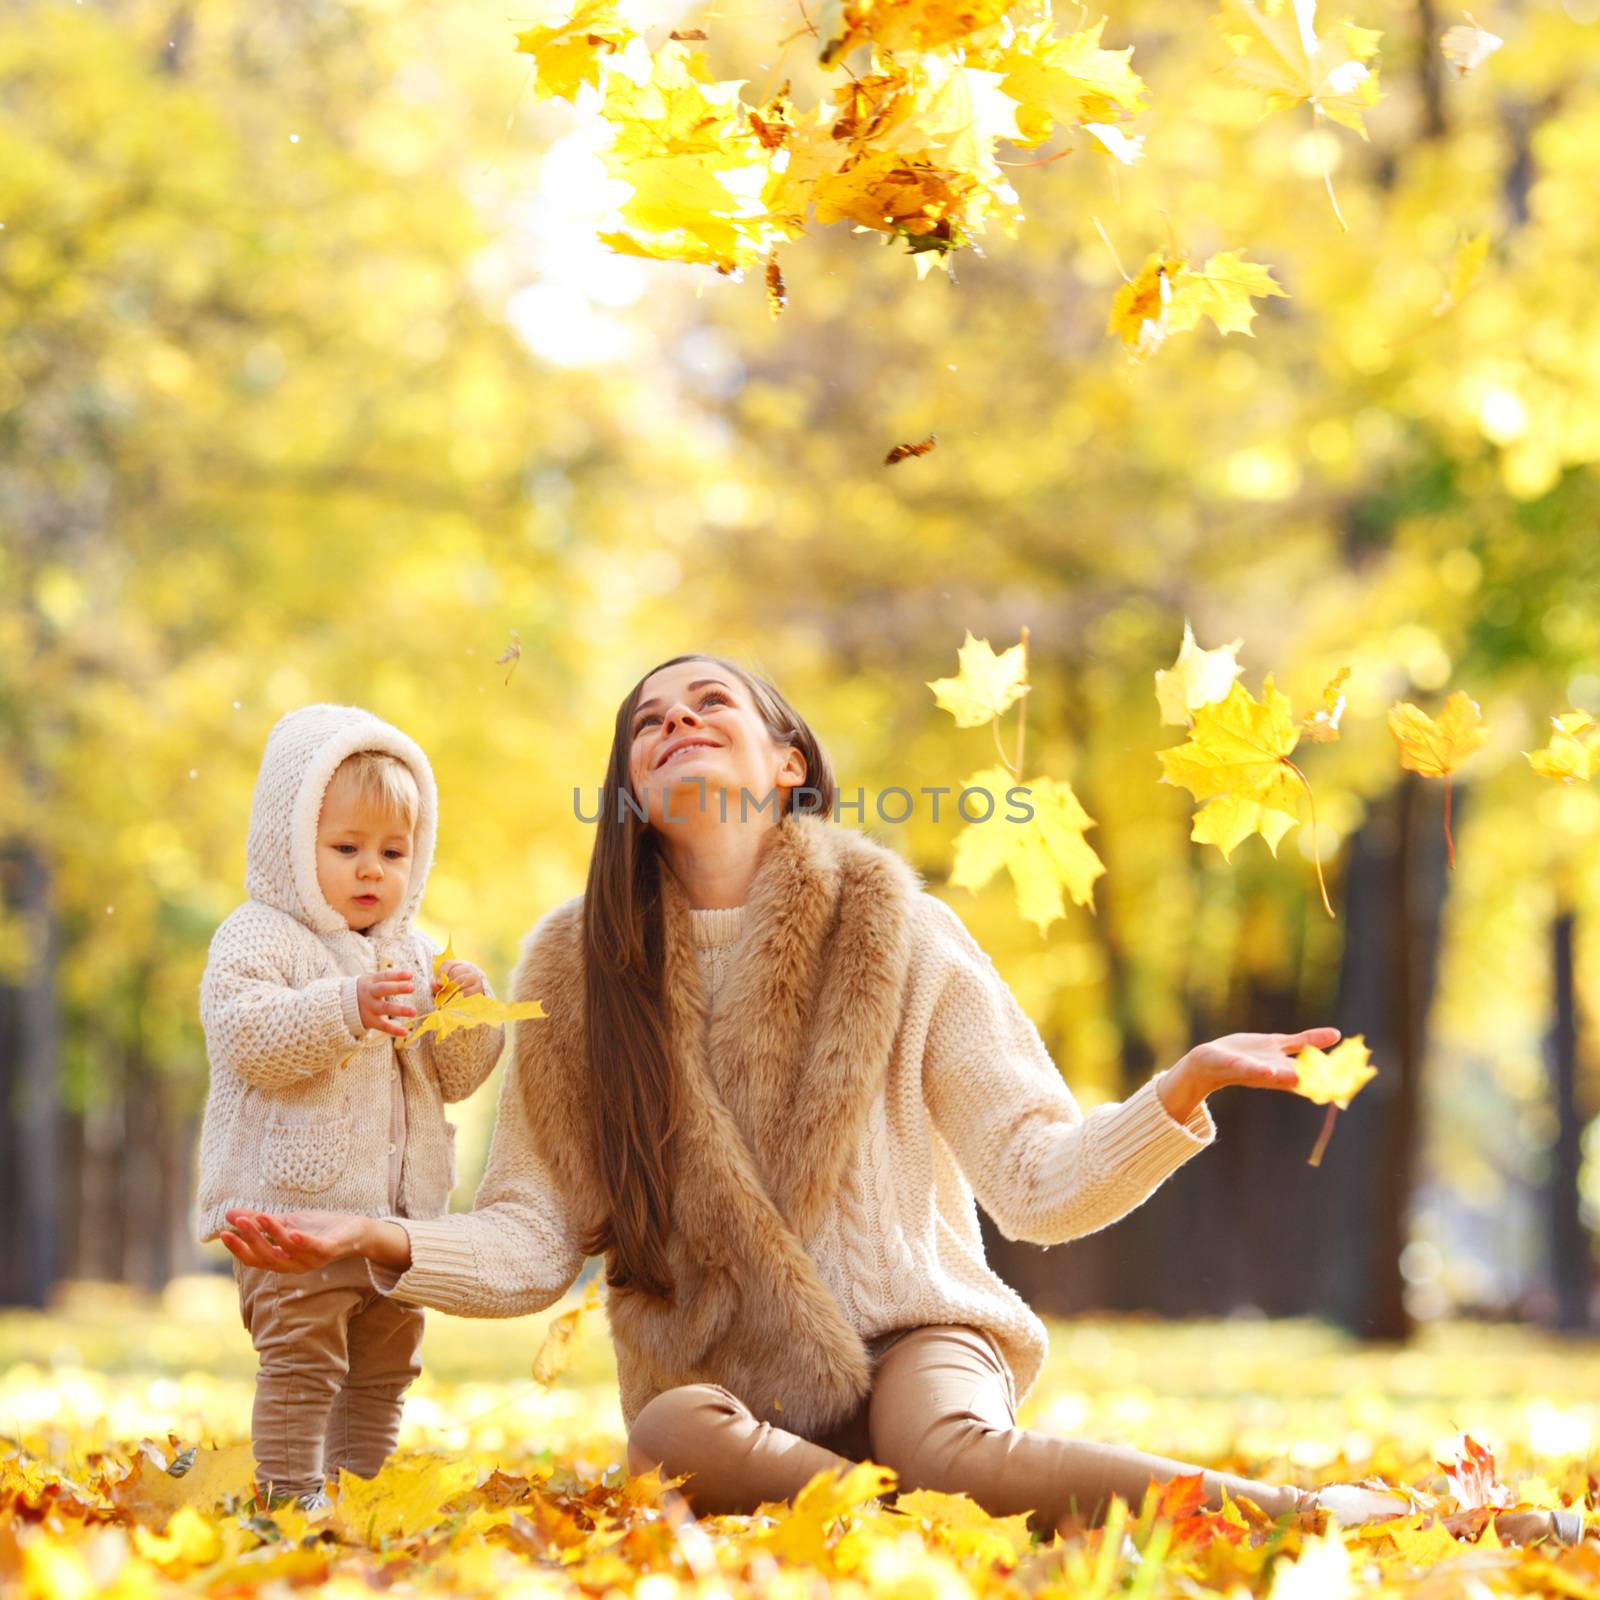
column 1570, row 1266
column 30, row 1120
column 1396, row 887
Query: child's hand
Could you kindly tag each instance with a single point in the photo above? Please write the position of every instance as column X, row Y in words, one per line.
column 375, row 994
column 470, row 978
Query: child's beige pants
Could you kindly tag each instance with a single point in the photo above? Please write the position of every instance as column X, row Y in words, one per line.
column 942, row 1414
column 336, row 1358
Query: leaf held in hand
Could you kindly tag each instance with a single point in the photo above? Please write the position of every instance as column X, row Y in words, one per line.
column 453, row 1010
column 1336, row 1076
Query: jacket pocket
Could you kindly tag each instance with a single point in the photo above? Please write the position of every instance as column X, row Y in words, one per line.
column 307, row 1156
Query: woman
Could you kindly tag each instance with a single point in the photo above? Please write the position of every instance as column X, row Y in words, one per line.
column 773, row 1075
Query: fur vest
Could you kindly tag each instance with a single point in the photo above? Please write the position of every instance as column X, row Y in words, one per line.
column 800, row 1044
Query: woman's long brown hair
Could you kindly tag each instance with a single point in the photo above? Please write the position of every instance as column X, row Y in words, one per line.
column 634, row 1100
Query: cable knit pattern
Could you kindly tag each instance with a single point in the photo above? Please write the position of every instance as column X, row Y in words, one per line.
column 973, row 1108
column 298, row 1107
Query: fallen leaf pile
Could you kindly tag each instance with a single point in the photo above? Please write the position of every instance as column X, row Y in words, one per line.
column 507, row 1488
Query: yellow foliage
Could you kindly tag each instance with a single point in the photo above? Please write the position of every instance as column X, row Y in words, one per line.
column 1435, row 748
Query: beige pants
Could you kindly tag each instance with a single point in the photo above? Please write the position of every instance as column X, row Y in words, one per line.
column 336, row 1358
column 942, row 1414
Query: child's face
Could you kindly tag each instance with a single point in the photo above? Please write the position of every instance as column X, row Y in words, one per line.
column 363, row 856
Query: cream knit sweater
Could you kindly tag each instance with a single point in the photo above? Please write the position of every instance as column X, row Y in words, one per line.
column 974, row 1108
column 303, row 1101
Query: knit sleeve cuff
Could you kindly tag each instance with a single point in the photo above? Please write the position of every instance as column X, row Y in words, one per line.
column 443, row 1271
column 351, row 1003
column 1144, row 1143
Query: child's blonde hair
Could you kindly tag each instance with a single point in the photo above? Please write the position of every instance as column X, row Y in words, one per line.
column 383, row 782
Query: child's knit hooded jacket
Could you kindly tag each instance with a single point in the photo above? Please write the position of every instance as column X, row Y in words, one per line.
column 298, row 1114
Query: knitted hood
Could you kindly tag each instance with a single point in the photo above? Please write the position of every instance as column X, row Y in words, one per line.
column 303, row 752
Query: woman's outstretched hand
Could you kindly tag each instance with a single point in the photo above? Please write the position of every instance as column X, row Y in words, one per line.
column 1253, row 1060
column 300, row 1241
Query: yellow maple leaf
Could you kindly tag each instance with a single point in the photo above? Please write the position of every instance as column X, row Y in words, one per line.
column 803, row 1528
column 152, row 1496
column 472, row 1011
column 1573, row 751
column 986, row 686
column 1168, row 296
column 405, row 1497
column 1336, row 1076
column 901, row 24
column 697, row 168
column 1332, row 1078
column 950, row 113
column 1295, row 65
column 556, row 1349
column 570, row 52
column 960, row 1524
column 1197, row 678
column 189, row 1542
column 453, row 1010
column 1044, row 854
column 1067, row 81
column 1436, row 748
column 1237, row 760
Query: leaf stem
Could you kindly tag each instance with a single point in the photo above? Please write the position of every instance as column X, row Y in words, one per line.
column 1022, row 707
column 1322, row 161
column 1449, row 843
column 1316, row 843
column 1000, row 749
column 1315, row 1158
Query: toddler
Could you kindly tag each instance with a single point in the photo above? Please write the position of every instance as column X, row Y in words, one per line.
column 313, row 1102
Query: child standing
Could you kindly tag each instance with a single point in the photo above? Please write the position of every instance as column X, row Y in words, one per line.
column 313, row 1101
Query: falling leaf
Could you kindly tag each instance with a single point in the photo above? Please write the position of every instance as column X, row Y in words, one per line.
column 1295, row 65
column 1464, row 270
column 1045, row 854
column 1197, row 678
column 777, row 291
column 1067, row 81
column 1168, row 296
column 901, row 451
column 1573, row 752
column 1237, row 760
column 1322, row 725
column 568, row 53
column 556, row 1350
column 1467, row 45
column 1436, row 749
column 986, row 685
column 511, row 653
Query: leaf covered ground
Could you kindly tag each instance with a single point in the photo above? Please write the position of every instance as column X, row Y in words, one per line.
column 124, row 1470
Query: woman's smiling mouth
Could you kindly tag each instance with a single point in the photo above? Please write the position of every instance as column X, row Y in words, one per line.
column 678, row 749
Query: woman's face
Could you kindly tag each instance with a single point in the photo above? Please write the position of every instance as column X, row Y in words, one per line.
column 695, row 732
